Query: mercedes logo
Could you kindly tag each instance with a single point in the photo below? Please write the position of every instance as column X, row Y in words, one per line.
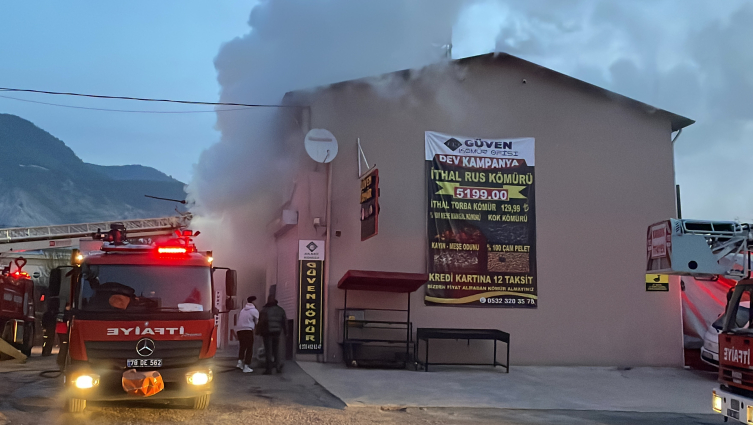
column 145, row 347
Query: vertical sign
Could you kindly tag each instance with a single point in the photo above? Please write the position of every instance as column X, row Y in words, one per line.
column 311, row 290
column 481, row 222
column 370, row 204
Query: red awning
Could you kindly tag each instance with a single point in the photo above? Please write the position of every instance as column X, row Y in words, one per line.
column 364, row 280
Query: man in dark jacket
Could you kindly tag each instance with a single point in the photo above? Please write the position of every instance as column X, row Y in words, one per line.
column 61, row 329
column 49, row 320
column 272, row 322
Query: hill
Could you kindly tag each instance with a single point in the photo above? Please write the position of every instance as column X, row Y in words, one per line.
column 43, row 182
column 132, row 172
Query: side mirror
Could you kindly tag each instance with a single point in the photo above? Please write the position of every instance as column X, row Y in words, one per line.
column 231, row 289
column 56, row 277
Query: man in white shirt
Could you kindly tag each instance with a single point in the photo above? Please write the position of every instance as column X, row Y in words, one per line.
column 247, row 320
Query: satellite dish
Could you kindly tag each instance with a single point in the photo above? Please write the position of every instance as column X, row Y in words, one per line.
column 321, row 145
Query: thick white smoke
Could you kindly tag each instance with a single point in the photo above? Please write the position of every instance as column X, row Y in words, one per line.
column 691, row 57
column 295, row 44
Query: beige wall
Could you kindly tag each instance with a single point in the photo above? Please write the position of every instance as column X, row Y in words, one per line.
column 604, row 171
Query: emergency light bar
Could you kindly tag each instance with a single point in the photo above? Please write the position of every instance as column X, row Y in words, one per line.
column 171, row 250
column 20, row 263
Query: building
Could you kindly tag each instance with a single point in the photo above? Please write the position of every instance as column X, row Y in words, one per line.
column 604, row 172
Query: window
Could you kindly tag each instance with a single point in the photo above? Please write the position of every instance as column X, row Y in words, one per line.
column 145, row 289
column 741, row 309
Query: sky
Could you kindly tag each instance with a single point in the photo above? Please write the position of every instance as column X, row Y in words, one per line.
column 161, row 49
column 691, row 57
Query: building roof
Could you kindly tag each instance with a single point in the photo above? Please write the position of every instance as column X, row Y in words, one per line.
column 677, row 121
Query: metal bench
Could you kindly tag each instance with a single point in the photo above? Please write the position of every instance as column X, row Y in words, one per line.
column 495, row 335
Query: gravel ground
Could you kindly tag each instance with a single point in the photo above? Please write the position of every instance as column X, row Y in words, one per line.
column 290, row 398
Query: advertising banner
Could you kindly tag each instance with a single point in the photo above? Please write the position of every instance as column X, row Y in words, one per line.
column 481, row 222
column 311, row 291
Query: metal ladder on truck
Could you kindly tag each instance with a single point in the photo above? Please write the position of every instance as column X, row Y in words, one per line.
column 700, row 248
column 69, row 235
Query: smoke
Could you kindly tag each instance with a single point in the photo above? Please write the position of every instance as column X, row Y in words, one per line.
column 687, row 56
column 239, row 183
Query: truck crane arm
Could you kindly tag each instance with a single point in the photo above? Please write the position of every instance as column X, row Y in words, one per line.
column 699, row 248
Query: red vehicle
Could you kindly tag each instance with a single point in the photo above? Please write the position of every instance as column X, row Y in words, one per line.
column 704, row 248
column 142, row 322
column 734, row 397
column 17, row 307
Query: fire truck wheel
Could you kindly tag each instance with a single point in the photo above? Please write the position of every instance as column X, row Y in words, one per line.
column 201, row 403
column 28, row 339
column 75, row 405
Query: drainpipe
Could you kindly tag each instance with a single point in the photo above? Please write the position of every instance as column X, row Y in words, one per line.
column 327, row 260
column 679, row 215
column 679, row 132
column 678, row 207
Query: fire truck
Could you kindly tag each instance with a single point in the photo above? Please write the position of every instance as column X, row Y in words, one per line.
column 17, row 306
column 708, row 249
column 143, row 320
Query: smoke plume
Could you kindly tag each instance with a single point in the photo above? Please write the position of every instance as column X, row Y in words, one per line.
column 687, row 56
column 238, row 183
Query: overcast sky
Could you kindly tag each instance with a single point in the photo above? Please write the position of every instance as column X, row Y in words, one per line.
column 691, row 57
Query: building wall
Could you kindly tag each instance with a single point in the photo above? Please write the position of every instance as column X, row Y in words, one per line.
column 308, row 199
column 604, row 172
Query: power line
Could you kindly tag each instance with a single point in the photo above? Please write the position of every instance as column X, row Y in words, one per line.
column 166, row 199
column 124, row 110
column 142, row 99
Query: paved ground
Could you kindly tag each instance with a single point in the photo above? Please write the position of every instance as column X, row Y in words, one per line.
column 291, row 398
column 659, row 390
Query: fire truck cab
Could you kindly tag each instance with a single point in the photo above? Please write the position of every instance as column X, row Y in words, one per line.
column 142, row 321
column 17, row 306
column 734, row 397
column 707, row 249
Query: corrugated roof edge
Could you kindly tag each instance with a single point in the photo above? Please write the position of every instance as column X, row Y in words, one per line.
column 677, row 121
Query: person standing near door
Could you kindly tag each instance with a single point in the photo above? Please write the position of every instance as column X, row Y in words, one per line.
column 272, row 323
column 49, row 322
column 61, row 329
column 247, row 320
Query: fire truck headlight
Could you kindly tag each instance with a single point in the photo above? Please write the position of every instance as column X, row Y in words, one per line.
column 199, row 378
column 717, row 403
column 86, row 381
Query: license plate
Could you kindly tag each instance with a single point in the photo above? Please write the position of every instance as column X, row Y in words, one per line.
column 144, row 362
column 732, row 414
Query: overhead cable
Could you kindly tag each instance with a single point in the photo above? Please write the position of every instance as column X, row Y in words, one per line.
column 124, row 110
column 143, row 99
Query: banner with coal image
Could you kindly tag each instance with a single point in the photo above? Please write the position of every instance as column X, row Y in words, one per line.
column 481, row 221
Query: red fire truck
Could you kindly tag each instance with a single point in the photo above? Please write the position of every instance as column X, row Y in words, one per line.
column 734, row 397
column 142, row 321
column 17, row 306
column 707, row 249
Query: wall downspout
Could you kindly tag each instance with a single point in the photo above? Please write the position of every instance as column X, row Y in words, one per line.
column 678, row 206
column 327, row 258
column 677, row 209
